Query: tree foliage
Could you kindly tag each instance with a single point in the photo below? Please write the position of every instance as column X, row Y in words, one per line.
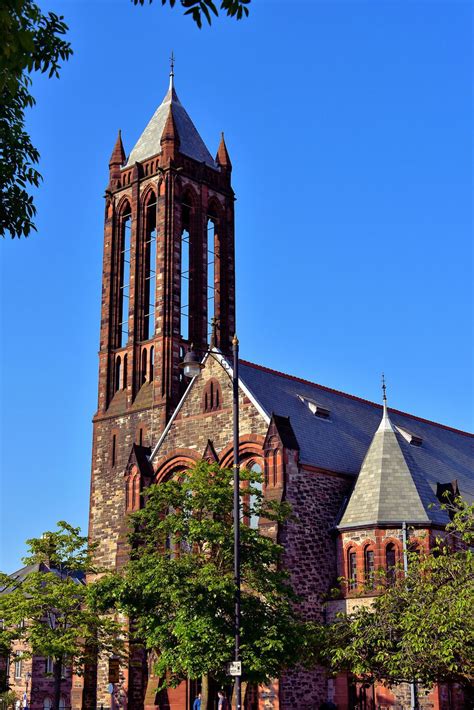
column 179, row 587
column 49, row 608
column 31, row 42
column 198, row 9
column 422, row 626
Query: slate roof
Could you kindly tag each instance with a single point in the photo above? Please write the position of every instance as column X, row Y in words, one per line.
column 20, row 575
column 341, row 441
column 191, row 143
column 385, row 491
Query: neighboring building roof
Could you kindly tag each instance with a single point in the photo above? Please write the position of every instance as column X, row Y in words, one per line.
column 21, row 574
column 190, row 142
column 339, row 440
column 385, row 491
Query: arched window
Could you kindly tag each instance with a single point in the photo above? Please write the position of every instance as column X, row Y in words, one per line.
column 255, row 498
column 47, row 704
column 114, row 449
column 62, row 703
column 150, row 267
column 125, row 227
column 390, row 562
column 211, row 238
column 118, row 372
column 152, row 363
column 185, row 269
column 125, row 364
column 369, row 567
column 144, row 366
column 352, row 570
column 212, row 397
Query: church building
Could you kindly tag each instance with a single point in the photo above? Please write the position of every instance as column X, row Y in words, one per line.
column 357, row 474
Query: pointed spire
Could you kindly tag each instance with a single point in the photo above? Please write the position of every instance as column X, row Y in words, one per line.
column 385, row 491
column 118, row 154
column 222, row 157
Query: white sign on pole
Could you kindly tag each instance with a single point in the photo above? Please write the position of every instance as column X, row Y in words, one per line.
column 234, row 668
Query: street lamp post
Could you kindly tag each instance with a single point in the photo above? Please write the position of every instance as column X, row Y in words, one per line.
column 192, row 367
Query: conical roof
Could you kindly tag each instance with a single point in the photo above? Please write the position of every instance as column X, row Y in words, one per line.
column 190, row 142
column 385, row 491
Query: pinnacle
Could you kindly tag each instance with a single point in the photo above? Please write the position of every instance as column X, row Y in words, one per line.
column 222, row 157
column 118, row 153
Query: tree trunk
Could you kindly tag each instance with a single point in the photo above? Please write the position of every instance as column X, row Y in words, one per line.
column 57, row 672
column 205, row 692
column 243, row 692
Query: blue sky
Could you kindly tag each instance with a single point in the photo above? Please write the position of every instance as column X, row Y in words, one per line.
column 349, row 127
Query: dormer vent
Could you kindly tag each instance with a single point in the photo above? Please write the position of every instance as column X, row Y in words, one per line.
column 412, row 439
column 317, row 409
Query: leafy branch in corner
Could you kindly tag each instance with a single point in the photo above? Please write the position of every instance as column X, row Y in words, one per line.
column 199, row 8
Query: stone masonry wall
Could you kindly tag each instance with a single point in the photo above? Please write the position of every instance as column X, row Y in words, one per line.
column 193, row 428
column 310, row 555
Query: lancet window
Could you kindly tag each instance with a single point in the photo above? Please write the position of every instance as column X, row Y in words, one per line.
column 185, row 269
column 352, row 569
column 211, row 261
column 390, row 560
column 125, row 227
column 150, row 267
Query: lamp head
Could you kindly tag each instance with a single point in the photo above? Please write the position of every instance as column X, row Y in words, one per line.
column 191, row 364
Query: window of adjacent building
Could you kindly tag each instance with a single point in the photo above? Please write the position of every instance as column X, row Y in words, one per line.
column 124, row 265
column 185, row 271
column 49, row 664
column 352, row 569
column 369, row 568
column 18, row 666
column 390, row 562
column 150, row 267
column 211, row 237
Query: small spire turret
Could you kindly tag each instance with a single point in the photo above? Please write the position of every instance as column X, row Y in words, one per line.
column 222, row 157
column 118, row 154
column 117, row 159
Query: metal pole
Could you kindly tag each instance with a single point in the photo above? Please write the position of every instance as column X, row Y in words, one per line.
column 235, row 403
column 413, row 703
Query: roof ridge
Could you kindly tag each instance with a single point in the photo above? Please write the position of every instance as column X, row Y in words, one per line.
column 264, row 368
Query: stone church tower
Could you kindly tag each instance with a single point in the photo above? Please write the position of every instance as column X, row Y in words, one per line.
column 168, row 269
column 362, row 480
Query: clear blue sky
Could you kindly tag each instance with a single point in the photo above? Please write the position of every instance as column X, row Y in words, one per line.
column 349, row 127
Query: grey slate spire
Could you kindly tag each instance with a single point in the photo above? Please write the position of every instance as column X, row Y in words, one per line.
column 191, row 143
column 385, row 492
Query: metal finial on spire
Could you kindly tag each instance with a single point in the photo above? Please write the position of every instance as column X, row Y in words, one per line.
column 384, row 389
column 172, row 70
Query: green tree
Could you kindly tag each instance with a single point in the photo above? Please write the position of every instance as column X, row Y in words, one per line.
column 422, row 626
column 198, row 9
column 178, row 587
column 50, row 609
column 31, row 41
